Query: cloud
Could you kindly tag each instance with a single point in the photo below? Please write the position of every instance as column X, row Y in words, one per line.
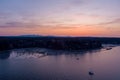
column 4, row 15
column 77, row 2
column 94, row 16
column 26, row 25
column 80, row 2
column 16, row 25
column 12, row 24
column 110, row 22
column 105, row 24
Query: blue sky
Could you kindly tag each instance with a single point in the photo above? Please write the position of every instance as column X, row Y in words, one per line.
column 60, row 17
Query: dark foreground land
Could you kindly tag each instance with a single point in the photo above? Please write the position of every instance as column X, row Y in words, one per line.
column 59, row 43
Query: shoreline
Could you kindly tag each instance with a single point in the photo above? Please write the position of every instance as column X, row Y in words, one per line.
column 55, row 43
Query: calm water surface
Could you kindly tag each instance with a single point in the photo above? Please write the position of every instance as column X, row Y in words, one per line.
column 43, row 64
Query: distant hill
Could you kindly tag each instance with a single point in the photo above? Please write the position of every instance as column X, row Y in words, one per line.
column 30, row 36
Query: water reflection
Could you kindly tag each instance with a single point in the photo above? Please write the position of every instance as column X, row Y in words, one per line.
column 5, row 55
column 39, row 53
column 46, row 64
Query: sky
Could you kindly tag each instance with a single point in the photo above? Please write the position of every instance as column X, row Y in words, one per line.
column 100, row 18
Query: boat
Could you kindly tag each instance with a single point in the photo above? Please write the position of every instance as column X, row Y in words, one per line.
column 108, row 48
column 77, row 58
column 91, row 73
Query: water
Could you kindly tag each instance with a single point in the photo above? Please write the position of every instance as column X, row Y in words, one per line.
column 44, row 64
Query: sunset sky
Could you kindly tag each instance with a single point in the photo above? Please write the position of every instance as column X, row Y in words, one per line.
column 99, row 18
